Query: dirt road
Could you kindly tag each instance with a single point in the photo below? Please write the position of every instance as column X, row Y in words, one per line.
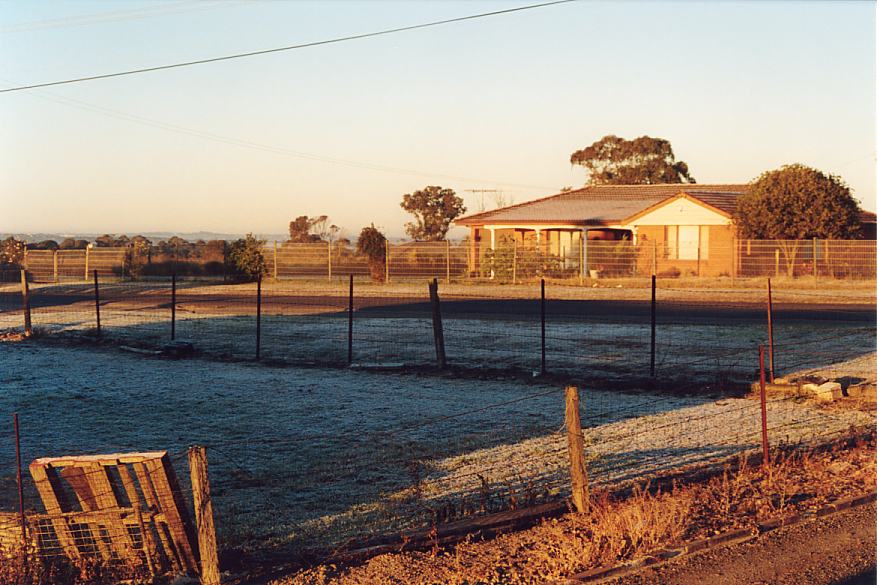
column 839, row 549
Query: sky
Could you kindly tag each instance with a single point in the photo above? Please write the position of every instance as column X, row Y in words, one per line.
column 347, row 129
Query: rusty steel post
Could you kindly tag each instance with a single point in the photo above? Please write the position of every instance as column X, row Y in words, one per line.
column 653, row 314
column 763, row 392
column 770, row 329
column 22, row 518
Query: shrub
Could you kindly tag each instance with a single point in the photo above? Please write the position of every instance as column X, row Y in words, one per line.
column 373, row 245
column 245, row 258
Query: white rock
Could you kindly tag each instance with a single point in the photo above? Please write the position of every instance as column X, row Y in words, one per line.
column 826, row 392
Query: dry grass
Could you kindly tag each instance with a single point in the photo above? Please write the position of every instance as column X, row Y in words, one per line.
column 63, row 572
column 625, row 528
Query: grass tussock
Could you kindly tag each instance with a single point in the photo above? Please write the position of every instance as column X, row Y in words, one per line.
column 624, row 528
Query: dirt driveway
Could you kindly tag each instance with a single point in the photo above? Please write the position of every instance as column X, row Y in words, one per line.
column 838, row 549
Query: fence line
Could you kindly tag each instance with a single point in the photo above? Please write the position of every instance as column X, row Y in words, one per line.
column 509, row 260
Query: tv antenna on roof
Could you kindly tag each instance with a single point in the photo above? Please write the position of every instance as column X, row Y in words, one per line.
column 499, row 199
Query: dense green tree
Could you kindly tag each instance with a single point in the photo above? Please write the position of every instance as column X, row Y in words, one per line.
column 642, row 161
column 433, row 208
column 796, row 202
column 373, row 245
column 245, row 257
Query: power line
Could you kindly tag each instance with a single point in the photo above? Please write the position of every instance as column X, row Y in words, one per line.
column 287, row 48
column 116, row 15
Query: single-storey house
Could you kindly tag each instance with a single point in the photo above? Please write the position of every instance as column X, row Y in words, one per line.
column 683, row 227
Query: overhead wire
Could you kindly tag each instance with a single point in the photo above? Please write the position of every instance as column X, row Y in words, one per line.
column 294, row 47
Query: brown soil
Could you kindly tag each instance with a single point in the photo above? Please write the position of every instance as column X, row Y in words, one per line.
column 622, row 530
column 841, row 548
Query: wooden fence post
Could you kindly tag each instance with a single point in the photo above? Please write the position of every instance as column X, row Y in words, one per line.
column 87, row 249
column 55, row 266
column 577, row 472
column 776, row 262
column 815, row 249
column 329, row 257
column 654, row 257
column 97, row 303
column 437, row 329
column 25, row 304
column 204, row 516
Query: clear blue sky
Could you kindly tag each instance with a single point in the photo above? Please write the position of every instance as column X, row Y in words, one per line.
column 737, row 87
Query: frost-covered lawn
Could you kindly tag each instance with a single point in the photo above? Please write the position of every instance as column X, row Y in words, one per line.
column 596, row 347
column 309, row 456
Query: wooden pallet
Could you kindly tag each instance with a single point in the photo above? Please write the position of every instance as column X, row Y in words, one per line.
column 122, row 508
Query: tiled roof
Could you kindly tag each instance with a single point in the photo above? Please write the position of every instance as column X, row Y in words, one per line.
column 867, row 217
column 604, row 204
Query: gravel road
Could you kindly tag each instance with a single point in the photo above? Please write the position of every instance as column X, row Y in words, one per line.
column 838, row 549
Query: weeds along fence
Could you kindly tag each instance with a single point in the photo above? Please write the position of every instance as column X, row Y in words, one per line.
column 520, row 331
column 509, row 259
column 307, row 490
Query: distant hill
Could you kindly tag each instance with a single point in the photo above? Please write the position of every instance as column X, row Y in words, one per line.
column 154, row 236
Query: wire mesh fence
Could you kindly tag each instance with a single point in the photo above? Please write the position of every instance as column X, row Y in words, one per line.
column 509, row 258
column 346, row 484
column 355, row 323
column 337, row 457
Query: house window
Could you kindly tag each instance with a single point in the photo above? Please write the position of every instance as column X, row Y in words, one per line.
column 685, row 241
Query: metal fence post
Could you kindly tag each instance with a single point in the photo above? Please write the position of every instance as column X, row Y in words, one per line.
column 275, row 259
column 18, row 482
column 350, row 323
column 437, row 328
column 770, row 328
column 654, row 257
column 25, row 304
column 515, row 260
column 542, row 317
column 97, row 303
column 259, row 317
column 653, row 323
column 448, row 257
column 763, row 393
column 173, row 306
column 386, row 260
